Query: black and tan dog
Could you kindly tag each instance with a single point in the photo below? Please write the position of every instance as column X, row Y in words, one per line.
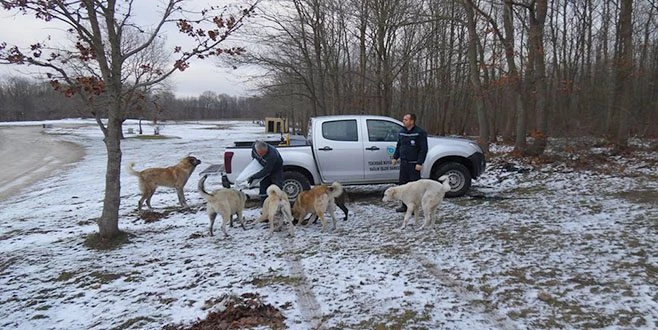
column 340, row 202
column 173, row 176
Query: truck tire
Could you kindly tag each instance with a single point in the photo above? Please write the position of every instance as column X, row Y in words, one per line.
column 294, row 183
column 460, row 178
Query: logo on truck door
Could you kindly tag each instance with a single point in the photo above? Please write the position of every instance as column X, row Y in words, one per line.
column 383, row 165
column 390, row 151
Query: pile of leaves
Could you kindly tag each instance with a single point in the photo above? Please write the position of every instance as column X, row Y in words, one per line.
column 237, row 312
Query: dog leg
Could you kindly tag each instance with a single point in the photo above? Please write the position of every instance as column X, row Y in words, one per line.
column 240, row 218
column 311, row 219
column 271, row 221
column 287, row 217
column 181, row 197
column 407, row 215
column 331, row 208
column 416, row 216
column 429, row 207
column 344, row 208
column 226, row 217
column 323, row 220
column 211, row 217
column 148, row 194
column 427, row 212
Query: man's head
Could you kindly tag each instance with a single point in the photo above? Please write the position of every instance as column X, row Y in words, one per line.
column 409, row 120
column 261, row 148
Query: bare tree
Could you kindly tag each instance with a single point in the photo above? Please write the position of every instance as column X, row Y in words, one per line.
column 623, row 79
column 100, row 32
column 536, row 11
column 475, row 72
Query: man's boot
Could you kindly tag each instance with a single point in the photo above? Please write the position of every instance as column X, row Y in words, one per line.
column 402, row 208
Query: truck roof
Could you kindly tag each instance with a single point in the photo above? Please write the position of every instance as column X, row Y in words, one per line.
column 339, row 117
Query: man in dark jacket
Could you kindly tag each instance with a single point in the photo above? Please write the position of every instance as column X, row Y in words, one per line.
column 411, row 150
column 272, row 172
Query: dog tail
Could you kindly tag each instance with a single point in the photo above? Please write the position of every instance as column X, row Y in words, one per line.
column 202, row 190
column 131, row 170
column 274, row 190
column 445, row 182
column 335, row 190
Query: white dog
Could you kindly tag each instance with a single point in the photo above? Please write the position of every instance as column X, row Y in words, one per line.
column 277, row 203
column 226, row 202
column 424, row 193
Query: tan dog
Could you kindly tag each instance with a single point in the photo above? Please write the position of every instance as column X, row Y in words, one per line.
column 424, row 193
column 317, row 201
column 226, row 202
column 275, row 204
column 173, row 176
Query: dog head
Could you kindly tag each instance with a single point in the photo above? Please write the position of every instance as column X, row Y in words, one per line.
column 298, row 209
column 391, row 194
column 190, row 161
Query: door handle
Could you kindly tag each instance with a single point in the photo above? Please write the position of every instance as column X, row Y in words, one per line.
column 326, row 148
column 373, row 148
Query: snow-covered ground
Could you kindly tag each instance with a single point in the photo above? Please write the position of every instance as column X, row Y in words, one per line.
column 572, row 243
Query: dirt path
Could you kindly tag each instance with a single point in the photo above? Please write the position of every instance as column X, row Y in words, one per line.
column 308, row 303
column 27, row 155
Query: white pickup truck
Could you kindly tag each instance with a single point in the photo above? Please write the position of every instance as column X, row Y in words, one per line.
column 357, row 150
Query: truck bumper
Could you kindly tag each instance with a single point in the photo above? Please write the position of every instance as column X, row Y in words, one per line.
column 479, row 164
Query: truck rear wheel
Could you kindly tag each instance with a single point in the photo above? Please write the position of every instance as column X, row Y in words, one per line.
column 459, row 178
column 294, row 183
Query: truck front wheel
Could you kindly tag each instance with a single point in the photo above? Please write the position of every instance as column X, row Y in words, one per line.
column 459, row 178
column 294, row 183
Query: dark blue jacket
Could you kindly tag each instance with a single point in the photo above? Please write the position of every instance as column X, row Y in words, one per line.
column 272, row 162
column 412, row 145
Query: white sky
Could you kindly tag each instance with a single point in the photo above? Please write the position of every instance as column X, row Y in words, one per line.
column 207, row 75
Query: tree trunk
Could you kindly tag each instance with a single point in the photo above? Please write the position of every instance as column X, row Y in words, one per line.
column 515, row 78
column 537, row 17
column 476, row 83
column 624, row 83
column 108, row 224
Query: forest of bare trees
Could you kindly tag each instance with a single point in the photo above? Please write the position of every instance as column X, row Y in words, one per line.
column 26, row 99
column 503, row 68
column 519, row 70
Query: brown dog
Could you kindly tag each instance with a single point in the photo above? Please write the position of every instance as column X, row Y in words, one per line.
column 173, row 176
column 226, row 202
column 317, row 201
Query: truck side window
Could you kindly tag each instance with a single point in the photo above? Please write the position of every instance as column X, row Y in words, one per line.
column 340, row 130
column 382, row 130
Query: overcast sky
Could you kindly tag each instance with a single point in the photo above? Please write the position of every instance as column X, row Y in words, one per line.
column 207, row 75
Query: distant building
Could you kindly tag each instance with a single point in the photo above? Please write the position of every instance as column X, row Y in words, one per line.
column 276, row 125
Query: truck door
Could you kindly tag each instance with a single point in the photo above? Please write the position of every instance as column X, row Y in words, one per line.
column 339, row 151
column 379, row 146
